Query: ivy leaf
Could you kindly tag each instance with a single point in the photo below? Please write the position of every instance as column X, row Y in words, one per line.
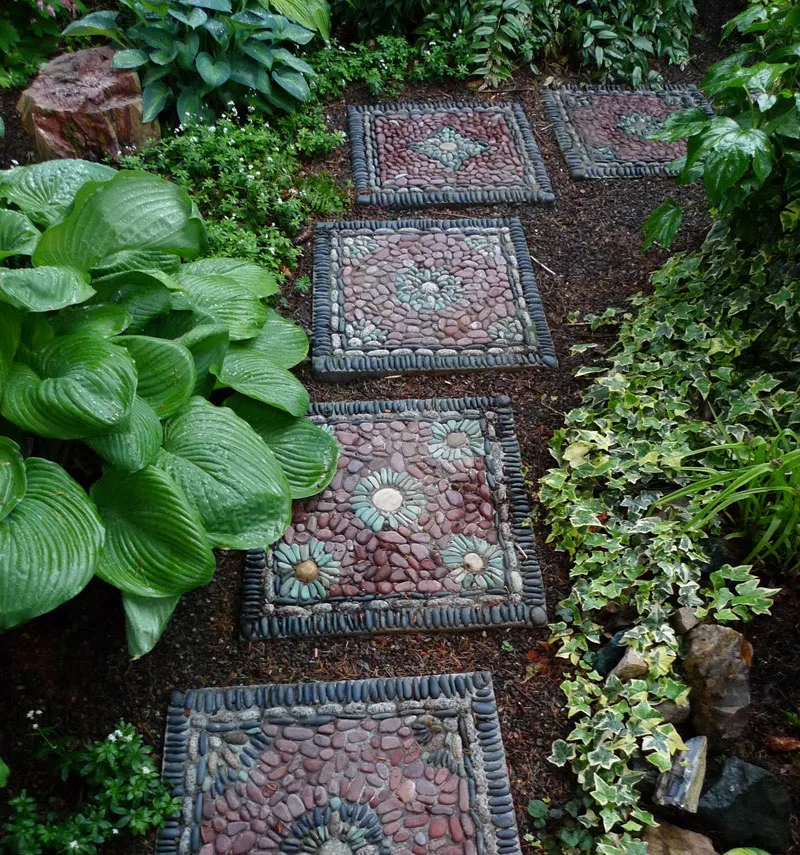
column 562, row 753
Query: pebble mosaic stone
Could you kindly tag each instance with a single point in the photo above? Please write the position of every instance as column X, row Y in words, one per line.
column 406, row 766
column 454, row 152
column 603, row 132
column 425, row 295
column 422, row 527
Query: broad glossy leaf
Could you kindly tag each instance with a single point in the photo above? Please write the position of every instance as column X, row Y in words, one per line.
column 13, row 479
column 44, row 191
column 229, row 475
column 292, row 82
column 215, row 5
column 105, row 319
column 145, row 621
column 146, row 295
column 130, row 260
column 165, row 371
column 260, row 52
column 230, row 304
column 312, row 14
column 49, row 544
column 662, row 225
column 76, row 386
column 154, row 99
column 192, row 18
column 283, row 30
column 10, row 331
column 213, row 71
column 261, row 281
column 284, row 56
column 44, row 289
column 133, row 211
column 187, row 49
column 256, row 375
column 208, row 344
column 306, row 453
column 155, row 543
column 282, row 340
column 219, row 29
column 103, row 23
column 136, row 445
column 18, row 235
column 129, row 59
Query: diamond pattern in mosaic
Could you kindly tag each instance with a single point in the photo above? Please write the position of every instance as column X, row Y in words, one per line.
column 454, row 152
column 603, row 133
column 371, row 767
column 423, row 295
column 423, row 526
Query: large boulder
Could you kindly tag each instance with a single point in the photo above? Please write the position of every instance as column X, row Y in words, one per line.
column 670, row 840
column 717, row 668
column 747, row 806
column 79, row 106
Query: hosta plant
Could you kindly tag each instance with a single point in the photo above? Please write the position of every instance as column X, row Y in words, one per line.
column 203, row 55
column 112, row 337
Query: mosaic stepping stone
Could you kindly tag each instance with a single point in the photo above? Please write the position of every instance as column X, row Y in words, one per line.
column 424, row 526
column 603, row 132
column 425, row 295
column 453, row 152
column 405, row 766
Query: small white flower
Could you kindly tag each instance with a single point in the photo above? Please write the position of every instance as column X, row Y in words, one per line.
column 73, row 844
column 35, row 726
column 15, row 163
column 147, row 770
column 112, row 737
column 30, row 713
column 115, row 831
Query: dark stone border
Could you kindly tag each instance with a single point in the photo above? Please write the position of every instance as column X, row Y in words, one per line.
column 530, row 611
column 580, row 163
column 475, row 687
column 337, row 369
column 365, row 195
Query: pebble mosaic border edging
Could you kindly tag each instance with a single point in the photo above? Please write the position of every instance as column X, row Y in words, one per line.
column 578, row 155
column 450, row 724
column 417, row 612
column 365, row 155
column 339, row 367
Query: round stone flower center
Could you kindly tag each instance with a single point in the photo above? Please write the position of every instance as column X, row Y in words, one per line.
column 448, row 146
column 334, row 847
column 387, row 499
column 473, row 563
column 307, row 571
column 457, row 439
column 429, row 288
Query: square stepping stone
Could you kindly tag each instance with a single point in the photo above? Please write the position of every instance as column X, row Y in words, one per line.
column 425, row 295
column 453, row 152
column 603, row 132
column 368, row 767
column 424, row 526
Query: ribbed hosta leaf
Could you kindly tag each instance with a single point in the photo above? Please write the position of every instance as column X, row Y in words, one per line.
column 135, row 446
column 306, row 453
column 145, row 621
column 10, row 329
column 208, row 345
column 155, row 543
column 45, row 191
column 128, row 260
column 282, row 340
column 165, row 370
column 254, row 374
column 49, row 544
column 230, row 304
column 76, row 386
column 12, row 476
column 43, row 289
column 133, row 211
column 229, row 475
column 18, row 235
column 312, row 14
column 104, row 319
column 258, row 279
column 145, row 294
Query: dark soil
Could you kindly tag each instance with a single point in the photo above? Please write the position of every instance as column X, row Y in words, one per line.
column 17, row 146
column 73, row 665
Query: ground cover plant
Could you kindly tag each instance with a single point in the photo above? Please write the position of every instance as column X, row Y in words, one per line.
column 109, row 339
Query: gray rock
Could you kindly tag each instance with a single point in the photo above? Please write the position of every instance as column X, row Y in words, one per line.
column 681, row 786
column 630, row 666
column 670, row 840
column 684, row 620
column 747, row 806
column 717, row 668
column 674, row 713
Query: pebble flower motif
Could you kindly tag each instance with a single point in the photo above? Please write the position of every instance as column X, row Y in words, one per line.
column 339, row 828
column 475, row 564
column 449, row 147
column 507, row 331
column 364, row 332
column 387, row 499
column 455, row 439
column 431, row 289
column 639, row 124
column 303, row 571
column 359, row 246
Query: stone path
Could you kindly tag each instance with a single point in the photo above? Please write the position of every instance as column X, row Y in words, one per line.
column 423, row 527
column 411, row 766
column 433, row 295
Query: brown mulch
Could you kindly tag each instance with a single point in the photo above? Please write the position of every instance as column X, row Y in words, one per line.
column 72, row 663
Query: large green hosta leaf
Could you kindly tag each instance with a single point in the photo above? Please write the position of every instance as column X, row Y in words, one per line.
column 282, row 340
column 256, row 375
column 229, row 475
column 45, row 191
column 312, row 14
column 145, row 294
column 104, row 319
column 165, row 371
column 208, row 344
column 12, row 476
column 145, row 620
column 76, row 386
column 136, row 445
column 231, row 305
column 306, row 453
column 10, row 331
column 155, row 543
column 44, row 289
column 134, row 211
column 258, row 279
column 49, row 544
column 18, row 235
